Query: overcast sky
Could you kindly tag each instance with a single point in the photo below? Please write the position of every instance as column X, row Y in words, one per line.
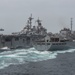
column 55, row 14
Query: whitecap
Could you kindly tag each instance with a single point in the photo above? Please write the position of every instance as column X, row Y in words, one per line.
column 20, row 56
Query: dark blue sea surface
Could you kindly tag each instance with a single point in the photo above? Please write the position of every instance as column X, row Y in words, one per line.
column 34, row 62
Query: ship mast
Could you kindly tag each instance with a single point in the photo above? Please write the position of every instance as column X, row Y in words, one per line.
column 30, row 20
column 71, row 23
column 38, row 21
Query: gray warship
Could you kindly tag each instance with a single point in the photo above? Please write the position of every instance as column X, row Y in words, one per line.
column 63, row 40
column 25, row 37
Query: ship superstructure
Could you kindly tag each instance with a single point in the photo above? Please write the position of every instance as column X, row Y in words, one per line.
column 34, row 30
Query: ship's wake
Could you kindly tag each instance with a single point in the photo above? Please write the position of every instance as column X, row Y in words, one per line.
column 22, row 56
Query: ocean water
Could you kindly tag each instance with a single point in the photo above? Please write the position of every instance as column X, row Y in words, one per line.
column 22, row 56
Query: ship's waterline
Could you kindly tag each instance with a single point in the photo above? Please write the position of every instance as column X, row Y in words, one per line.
column 27, row 55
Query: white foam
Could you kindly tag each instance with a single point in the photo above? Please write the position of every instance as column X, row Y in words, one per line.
column 5, row 48
column 27, row 55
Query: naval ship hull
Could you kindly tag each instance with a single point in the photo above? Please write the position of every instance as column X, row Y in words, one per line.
column 15, row 41
column 53, row 46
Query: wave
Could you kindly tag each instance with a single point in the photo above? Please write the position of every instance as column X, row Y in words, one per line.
column 21, row 56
